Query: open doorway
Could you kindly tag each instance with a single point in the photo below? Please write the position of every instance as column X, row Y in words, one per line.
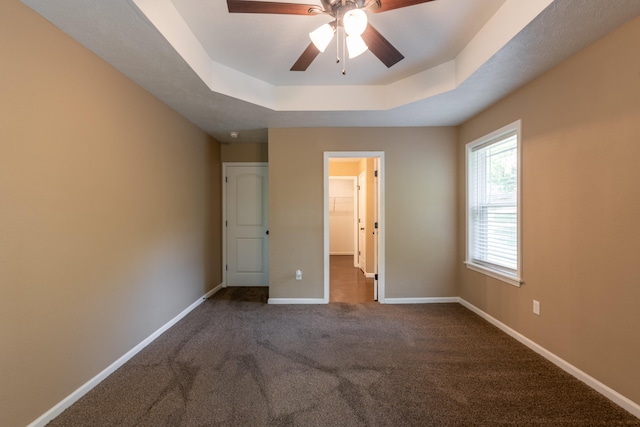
column 348, row 203
column 354, row 226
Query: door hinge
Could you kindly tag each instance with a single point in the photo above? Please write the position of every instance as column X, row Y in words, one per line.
column 375, row 173
column 375, row 276
column 226, row 267
column 375, row 225
column 226, row 223
column 226, row 179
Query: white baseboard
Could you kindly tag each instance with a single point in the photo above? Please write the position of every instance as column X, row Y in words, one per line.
column 606, row 391
column 213, row 291
column 297, row 301
column 432, row 300
column 48, row 416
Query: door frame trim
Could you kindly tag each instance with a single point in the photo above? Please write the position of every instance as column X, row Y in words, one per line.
column 381, row 228
column 226, row 165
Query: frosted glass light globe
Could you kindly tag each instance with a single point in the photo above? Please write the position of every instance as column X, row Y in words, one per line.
column 355, row 22
column 356, row 46
column 321, row 36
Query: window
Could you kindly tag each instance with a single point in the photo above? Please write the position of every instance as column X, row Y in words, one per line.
column 493, row 205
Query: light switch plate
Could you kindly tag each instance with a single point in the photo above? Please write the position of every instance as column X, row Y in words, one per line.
column 536, row 307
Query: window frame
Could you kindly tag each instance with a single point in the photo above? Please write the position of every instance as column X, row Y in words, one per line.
column 495, row 137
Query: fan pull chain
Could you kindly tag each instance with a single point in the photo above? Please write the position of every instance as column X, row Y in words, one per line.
column 337, row 42
column 344, row 53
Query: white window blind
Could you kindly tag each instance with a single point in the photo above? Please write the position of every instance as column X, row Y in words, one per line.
column 492, row 192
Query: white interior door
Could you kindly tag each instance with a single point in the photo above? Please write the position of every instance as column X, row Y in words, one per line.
column 362, row 221
column 246, row 220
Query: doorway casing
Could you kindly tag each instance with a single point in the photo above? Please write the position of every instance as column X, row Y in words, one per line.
column 379, row 255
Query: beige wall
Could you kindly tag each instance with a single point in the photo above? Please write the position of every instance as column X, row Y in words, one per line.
column 420, row 207
column 345, row 168
column 244, row 152
column 109, row 215
column 580, row 211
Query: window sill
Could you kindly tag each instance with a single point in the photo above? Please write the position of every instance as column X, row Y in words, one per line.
column 512, row 280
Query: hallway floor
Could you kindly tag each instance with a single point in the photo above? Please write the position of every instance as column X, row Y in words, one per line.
column 348, row 283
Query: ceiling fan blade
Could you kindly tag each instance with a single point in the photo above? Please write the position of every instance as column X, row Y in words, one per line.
column 381, row 47
column 306, row 58
column 386, row 5
column 249, row 6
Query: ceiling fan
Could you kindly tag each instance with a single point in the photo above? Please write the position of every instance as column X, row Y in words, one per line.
column 349, row 15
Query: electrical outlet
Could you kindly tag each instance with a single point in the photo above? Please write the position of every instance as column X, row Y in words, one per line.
column 298, row 274
column 536, row 307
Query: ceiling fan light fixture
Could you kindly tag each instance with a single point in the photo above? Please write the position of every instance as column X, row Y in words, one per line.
column 322, row 36
column 355, row 22
column 356, row 46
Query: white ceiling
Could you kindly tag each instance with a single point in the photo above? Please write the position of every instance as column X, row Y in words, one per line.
column 265, row 46
column 230, row 72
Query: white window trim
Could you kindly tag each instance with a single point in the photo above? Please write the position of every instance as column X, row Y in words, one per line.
column 516, row 279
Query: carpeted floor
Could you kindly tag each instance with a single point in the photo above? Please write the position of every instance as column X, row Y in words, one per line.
column 246, row 294
column 244, row 363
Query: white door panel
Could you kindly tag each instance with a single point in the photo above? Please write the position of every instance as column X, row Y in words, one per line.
column 249, row 199
column 250, row 255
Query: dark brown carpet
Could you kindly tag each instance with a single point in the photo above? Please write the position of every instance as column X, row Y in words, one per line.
column 243, row 363
column 245, row 294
